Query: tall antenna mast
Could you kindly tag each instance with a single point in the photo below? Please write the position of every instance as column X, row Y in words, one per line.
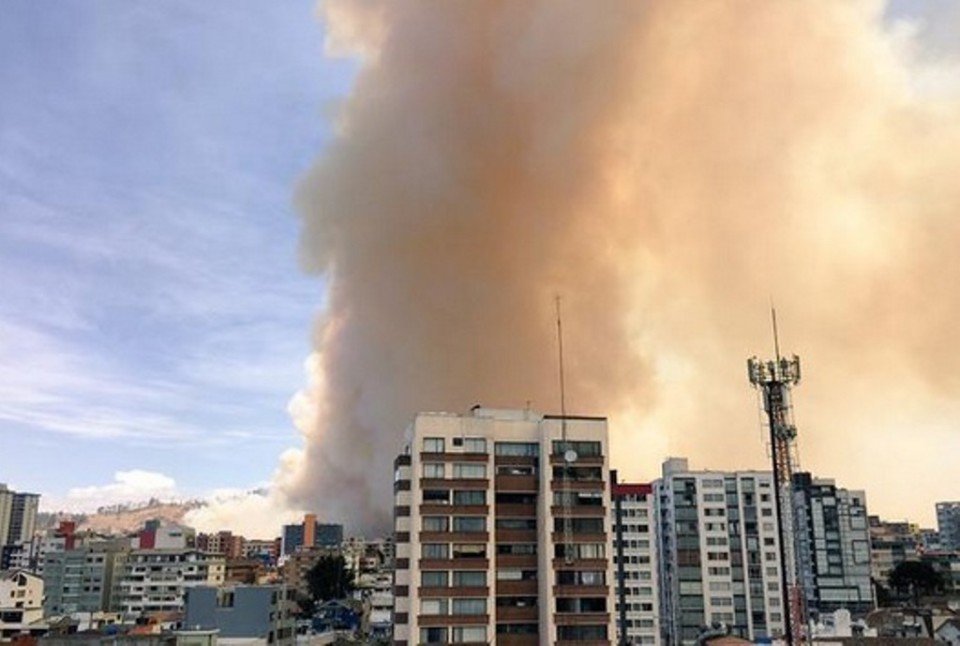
column 563, row 394
column 776, row 337
column 569, row 455
column 775, row 379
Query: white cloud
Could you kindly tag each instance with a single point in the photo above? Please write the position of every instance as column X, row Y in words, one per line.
column 133, row 486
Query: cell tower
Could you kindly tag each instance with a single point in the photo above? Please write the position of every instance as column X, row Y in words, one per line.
column 775, row 380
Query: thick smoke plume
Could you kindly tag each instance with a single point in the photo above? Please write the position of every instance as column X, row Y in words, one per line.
column 667, row 168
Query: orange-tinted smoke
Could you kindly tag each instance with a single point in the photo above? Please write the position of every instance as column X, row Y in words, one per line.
column 668, row 168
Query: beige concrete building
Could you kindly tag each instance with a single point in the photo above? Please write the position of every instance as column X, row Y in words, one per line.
column 503, row 530
column 154, row 581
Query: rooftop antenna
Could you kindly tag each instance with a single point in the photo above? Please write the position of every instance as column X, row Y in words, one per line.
column 563, row 398
column 776, row 337
column 569, row 455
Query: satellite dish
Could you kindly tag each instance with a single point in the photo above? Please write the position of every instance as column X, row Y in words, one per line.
column 570, row 456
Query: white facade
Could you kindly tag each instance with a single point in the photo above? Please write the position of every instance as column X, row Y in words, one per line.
column 635, row 561
column 503, row 530
column 719, row 553
column 155, row 580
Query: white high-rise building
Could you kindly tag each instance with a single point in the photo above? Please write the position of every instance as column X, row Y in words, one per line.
column 719, row 553
column 503, row 530
column 635, row 563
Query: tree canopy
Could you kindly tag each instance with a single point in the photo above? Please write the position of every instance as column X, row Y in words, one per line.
column 916, row 578
column 329, row 579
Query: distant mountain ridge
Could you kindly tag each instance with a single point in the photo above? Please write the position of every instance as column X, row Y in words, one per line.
column 122, row 518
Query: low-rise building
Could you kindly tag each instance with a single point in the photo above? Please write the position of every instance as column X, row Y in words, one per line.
column 156, row 580
column 891, row 543
column 21, row 603
column 83, row 580
column 259, row 614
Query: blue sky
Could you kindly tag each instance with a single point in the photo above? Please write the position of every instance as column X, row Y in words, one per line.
column 152, row 312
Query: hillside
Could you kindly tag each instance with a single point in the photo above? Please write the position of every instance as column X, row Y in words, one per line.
column 122, row 519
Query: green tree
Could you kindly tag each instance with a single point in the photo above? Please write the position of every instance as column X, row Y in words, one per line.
column 329, row 579
column 915, row 578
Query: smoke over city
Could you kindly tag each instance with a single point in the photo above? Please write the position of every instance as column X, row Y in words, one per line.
column 668, row 169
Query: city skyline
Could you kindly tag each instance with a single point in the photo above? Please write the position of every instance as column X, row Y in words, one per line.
column 156, row 326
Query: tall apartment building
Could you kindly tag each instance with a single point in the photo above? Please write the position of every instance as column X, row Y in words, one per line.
column 18, row 516
column 719, row 553
column 833, row 545
column 948, row 525
column 155, row 580
column 84, row 579
column 503, row 530
column 635, row 562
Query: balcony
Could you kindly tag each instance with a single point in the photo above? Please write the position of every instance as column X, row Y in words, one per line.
column 579, row 564
column 516, row 535
column 579, row 511
column 442, row 509
column 460, row 483
column 454, row 537
column 453, row 620
column 582, row 618
column 580, row 537
column 578, row 485
column 516, row 511
column 514, row 613
column 507, row 639
column 455, row 564
column 519, row 484
column 530, row 588
column 516, row 560
column 454, row 457
column 516, row 460
column 582, row 460
column 454, row 591
column 580, row 590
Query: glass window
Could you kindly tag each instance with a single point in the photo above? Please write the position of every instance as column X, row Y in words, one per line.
column 433, row 607
column 470, row 579
column 470, row 551
column 465, row 471
column 433, row 579
column 435, row 550
column 474, row 445
column 469, row 497
column 433, row 470
column 529, row 449
column 583, row 448
column 433, row 636
column 433, row 445
column 436, row 523
column 469, row 634
column 469, row 606
column 469, row 524
column 436, row 496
